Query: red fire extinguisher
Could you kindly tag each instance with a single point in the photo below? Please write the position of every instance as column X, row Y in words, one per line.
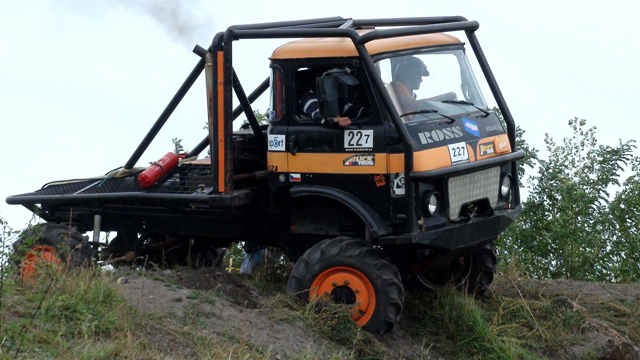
column 158, row 169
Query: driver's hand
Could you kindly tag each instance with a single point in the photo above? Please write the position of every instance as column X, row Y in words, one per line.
column 342, row 120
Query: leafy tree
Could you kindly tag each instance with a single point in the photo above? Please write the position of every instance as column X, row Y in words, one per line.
column 625, row 208
column 177, row 146
column 568, row 228
column 263, row 119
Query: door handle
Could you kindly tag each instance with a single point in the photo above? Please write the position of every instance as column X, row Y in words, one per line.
column 293, row 144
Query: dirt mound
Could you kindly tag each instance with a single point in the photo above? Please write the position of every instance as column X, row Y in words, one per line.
column 219, row 303
column 219, row 282
column 214, row 303
column 590, row 301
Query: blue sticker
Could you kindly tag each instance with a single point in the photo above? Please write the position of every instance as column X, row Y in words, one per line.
column 471, row 127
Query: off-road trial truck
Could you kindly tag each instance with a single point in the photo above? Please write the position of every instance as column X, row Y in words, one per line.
column 393, row 198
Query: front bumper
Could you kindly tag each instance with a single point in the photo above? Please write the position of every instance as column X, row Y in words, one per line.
column 470, row 234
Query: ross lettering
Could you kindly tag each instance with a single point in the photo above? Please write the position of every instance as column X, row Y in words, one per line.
column 428, row 137
column 437, row 135
column 447, row 133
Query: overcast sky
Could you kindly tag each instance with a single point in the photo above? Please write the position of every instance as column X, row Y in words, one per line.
column 81, row 82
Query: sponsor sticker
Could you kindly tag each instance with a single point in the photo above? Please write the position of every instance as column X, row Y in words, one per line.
column 360, row 160
column 471, row 127
column 486, row 149
column 358, row 140
column 501, row 145
column 458, row 153
column 494, row 128
column 397, row 180
column 281, row 178
column 294, row 177
column 380, row 181
column 276, row 142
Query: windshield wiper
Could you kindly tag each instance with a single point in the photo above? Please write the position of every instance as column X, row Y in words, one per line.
column 419, row 112
column 463, row 102
column 451, row 120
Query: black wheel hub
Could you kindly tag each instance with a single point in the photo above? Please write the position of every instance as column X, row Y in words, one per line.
column 343, row 295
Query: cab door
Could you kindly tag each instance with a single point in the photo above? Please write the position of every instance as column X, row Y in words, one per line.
column 352, row 158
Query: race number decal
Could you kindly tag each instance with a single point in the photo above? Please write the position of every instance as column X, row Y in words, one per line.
column 458, row 153
column 358, row 140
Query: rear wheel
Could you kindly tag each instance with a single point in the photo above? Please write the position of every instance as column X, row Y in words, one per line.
column 51, row 244
column 351, row 272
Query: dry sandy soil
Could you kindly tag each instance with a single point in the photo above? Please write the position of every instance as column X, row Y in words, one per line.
column 237, row 309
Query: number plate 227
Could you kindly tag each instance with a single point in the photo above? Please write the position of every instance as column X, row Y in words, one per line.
column 458, row 153
column 358, row 140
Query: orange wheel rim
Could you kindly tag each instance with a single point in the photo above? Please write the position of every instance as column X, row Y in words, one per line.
column 38, row 254
column 350, row 281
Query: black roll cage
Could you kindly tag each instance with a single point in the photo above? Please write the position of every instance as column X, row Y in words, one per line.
column 315, row 28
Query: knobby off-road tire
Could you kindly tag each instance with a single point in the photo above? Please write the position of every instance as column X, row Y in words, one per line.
column 51, row 243
column 352, row 272
column 483, row 268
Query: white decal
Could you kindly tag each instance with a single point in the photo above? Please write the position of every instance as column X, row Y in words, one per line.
column 358, row 140
column 502, row 144
column 276, row 142
column 398, row 184
column 458, row 153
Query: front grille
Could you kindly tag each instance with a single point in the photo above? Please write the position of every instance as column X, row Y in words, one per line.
column 472, row 187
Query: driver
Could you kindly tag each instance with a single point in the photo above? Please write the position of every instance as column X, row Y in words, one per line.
column 308, row 104
column 408, row 72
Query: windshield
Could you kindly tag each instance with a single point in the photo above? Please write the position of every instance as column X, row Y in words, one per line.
column 438, row 81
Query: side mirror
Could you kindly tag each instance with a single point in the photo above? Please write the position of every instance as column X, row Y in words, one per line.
column 327, row 90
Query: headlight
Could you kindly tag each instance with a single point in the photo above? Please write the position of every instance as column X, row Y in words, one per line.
column 431, row 203
column 505, row 186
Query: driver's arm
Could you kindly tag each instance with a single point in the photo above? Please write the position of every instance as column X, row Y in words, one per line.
column 342, row 121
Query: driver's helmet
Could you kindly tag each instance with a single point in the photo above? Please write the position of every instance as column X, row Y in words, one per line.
column 408, row 68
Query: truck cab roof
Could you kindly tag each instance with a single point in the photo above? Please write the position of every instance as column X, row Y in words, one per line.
column 343, row 47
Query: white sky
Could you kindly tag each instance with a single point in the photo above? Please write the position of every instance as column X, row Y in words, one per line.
column 82, row 82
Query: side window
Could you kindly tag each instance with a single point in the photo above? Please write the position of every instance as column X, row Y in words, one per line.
column 276, row 102
column 305, row 101
column 353, row 100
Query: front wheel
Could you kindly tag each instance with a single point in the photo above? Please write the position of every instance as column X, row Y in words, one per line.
column 351, row 272
column 483, row 268
column 473, row 272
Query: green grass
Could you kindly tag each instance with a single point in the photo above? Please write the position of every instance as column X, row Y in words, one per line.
column 458, row 326
column 60, row 311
